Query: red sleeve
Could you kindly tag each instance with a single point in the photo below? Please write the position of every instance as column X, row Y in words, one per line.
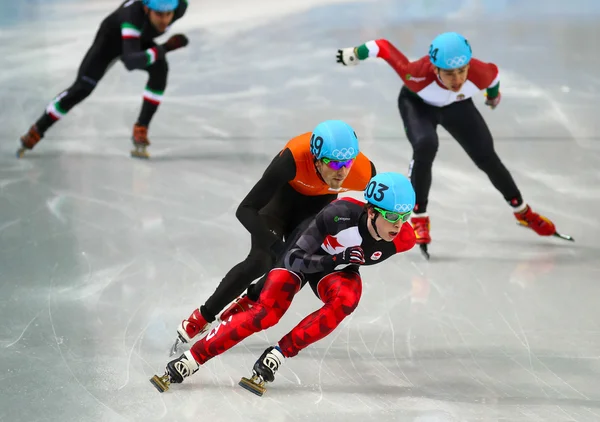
column 406, row 238
column 482, row 74
column 415, row 75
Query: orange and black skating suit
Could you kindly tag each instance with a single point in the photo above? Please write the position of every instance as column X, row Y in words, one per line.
column 289, row 191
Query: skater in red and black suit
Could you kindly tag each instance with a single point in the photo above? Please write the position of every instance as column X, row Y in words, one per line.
column 437, row 91
column 128, row 33
column 327, row 254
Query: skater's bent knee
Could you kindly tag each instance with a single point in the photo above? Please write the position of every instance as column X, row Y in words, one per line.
column 425, row 148
column 488, row 162
column 264, row 317
column 159, row 67
column 82, row 88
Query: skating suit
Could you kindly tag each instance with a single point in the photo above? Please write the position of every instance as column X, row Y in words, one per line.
column 341, row 225
column 420, row 76
column 291, row 190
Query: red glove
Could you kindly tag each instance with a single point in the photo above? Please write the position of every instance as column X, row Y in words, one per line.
column 493, row 102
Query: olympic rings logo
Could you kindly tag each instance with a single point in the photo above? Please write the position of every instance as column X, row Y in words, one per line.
column 457, row 61
column 343, row 154
column 403, row 207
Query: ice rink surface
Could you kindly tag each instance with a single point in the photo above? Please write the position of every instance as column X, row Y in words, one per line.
column 101, row 255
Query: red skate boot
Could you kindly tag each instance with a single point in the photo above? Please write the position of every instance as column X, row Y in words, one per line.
column 140, row 141
column 241, row 304
column 538, row 223
column 421, row 226
column 28, row 141
column 190, row 328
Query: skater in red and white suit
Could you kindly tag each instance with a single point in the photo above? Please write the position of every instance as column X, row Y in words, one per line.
column 438, row 90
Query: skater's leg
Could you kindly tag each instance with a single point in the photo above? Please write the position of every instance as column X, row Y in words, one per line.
column 153, row 93
column 94, row 65
column 340, row 292
column 420, row 122
column 464, row 122
column 275, row 299
column 257, row 263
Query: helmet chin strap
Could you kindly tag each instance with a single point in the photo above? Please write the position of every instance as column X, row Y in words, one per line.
column 375, row 225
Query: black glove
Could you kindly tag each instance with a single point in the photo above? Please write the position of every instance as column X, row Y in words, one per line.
column 353, row 255
column 175, row 42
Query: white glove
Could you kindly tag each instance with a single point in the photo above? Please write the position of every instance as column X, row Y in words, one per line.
column 347, row 57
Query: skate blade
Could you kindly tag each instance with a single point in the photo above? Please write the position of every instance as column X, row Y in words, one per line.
column 160, row 383
column 175, row 347
column 140, row 152
column 20, row 152
column 555, row 234
column 254, row 385
column 424, row 251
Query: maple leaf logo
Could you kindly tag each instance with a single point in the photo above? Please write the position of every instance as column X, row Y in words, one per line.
column 332, row 242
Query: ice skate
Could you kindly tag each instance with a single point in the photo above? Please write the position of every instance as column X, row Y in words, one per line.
column 140, row 141
column 539, row 224
column 421, row 226
column 263, row 371
column 190, row 328
column 241, row 304
column 28, row 141
column 175, row 372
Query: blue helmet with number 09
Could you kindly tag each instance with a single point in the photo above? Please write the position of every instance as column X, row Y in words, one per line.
column 334, row 140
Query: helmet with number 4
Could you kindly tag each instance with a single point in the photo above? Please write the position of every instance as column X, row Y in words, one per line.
column 335, row 140
column 450, row 50
column 391, row 192
column 161, row 5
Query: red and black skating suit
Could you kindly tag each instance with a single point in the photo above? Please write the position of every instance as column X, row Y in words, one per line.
column 310, row 259
column 289, row 191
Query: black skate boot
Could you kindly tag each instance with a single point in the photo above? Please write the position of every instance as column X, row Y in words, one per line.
column 263, row 371
column 176, row 370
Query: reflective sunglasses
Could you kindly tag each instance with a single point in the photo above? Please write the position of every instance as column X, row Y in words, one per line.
column 336, row 165
column 393, row 216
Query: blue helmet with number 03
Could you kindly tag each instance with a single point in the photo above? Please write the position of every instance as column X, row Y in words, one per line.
column 335, row 140
column 161, row 5
column 450, row 50
column 391, row 192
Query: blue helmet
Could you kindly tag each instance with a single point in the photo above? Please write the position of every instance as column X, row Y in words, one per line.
column 391, row 192
column 162, row 5
column 450, row 51
column 335, row 140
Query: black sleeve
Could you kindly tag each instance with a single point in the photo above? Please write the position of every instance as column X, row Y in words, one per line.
column 306, row 255
column 132, row 17
column 281, row 170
